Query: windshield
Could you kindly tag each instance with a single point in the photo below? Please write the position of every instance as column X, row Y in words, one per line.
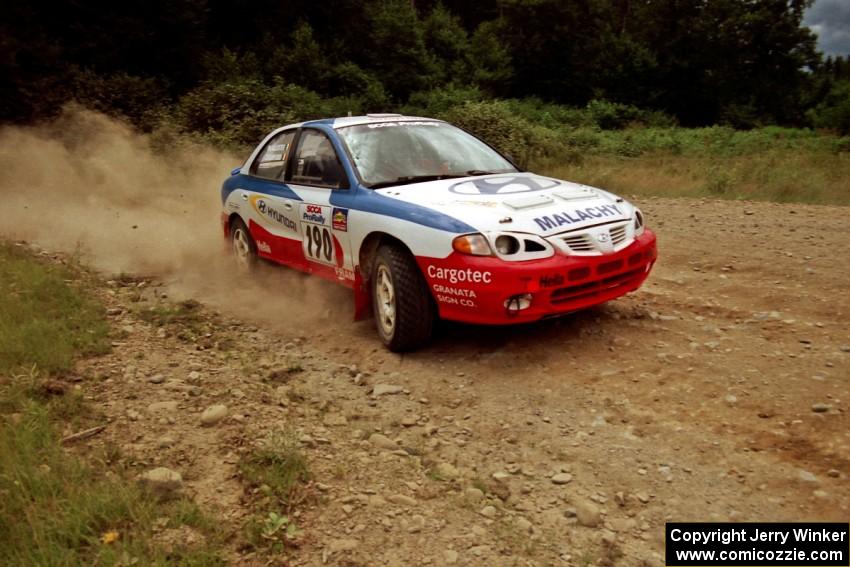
column 395, row 153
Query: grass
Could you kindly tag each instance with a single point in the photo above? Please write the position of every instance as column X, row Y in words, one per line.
column 779, row 175
column 55, row 507
column 278, row 467
column 43, row 320
column 765, row 164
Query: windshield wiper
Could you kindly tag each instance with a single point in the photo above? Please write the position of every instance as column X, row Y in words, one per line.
column 408, row 179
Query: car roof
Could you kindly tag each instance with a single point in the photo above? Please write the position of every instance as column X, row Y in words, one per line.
column 341, row 122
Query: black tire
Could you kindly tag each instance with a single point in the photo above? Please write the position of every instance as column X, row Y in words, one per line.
column 412, row 306
column 243, row 246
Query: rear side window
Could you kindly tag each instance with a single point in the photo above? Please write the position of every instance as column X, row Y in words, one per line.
column 271, row 163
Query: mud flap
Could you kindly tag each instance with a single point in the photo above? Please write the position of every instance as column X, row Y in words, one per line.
column 362, row 298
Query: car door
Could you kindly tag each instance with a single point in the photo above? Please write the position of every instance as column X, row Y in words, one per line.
column 272, row 214
column 316, row 174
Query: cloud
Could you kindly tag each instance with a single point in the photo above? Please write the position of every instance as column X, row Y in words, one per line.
column 830, row 20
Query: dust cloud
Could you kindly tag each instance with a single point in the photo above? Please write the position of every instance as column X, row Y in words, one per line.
column 89, row 185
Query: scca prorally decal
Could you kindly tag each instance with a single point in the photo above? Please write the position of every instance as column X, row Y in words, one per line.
column 455, row 275
column 502, row 185
column 340, row 219
column 454, row 291
column 313, row 213
column 548, row 222
column 265, row 208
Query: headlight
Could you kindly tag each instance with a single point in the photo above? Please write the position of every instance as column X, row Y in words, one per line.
column 519, row 246
column 507, row 244
column 638, row 222
column 472, row 244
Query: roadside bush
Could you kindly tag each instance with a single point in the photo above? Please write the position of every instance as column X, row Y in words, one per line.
column 437, row 103
column 834, row 112
column 495, row 123
column 240, row 113
column 135, row 98
column 615, row 116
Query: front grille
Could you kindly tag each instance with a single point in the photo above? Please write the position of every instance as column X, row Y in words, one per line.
column 618, row 234
column 607, row 280
column 580, row 243
column 582, row 291
column 596, row 241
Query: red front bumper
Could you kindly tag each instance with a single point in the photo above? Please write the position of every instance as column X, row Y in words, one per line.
column 475, row 289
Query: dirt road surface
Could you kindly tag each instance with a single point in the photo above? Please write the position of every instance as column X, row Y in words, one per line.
column 718, row 392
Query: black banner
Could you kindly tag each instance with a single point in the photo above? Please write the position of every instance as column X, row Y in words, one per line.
column 757, row 544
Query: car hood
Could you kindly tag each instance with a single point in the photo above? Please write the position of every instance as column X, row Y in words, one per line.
column 516, row 202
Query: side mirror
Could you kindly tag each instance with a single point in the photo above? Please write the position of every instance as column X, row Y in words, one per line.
column 236, row 170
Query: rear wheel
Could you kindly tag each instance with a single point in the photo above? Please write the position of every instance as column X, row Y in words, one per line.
column 404, row 311
column 244, row 247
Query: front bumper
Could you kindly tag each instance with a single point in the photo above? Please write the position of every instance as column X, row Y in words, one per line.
column 475, row 289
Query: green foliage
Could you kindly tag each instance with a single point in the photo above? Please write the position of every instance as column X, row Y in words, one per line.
column 438, row 102
column 241, row 112
column 55, row 509
column 278, row 467
column 615, row 116
column 743, row 64
column 494, row 123
column 448, row 41
column 833, row 112
column 128, row 96
column 44, row 321
column 398, row 53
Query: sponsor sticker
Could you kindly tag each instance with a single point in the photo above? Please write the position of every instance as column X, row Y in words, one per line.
column 314, row 214
column 460, row 292
column 456, row 275
column 340, row 219
column 550, row 222
column 344, row 273
column 264, row 247
column 266, row 209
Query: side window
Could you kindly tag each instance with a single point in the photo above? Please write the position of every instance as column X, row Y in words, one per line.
column 316, row 162
column 271, row 163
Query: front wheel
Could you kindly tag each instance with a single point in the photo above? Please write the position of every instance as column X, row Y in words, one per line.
column 404, row 311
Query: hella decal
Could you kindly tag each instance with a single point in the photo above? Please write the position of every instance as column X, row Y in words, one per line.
column 455, row 275
column 264, row 247
column 266, row 209
column 340, row 219
column 549, row 222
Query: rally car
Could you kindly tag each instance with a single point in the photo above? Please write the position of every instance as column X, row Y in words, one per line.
column 423, row 220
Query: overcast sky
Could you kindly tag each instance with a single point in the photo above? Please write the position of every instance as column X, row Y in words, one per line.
column 830, row 19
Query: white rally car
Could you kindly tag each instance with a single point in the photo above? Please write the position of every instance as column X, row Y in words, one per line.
column 423, row 220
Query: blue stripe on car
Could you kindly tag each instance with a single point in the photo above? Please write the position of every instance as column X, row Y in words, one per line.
column 369, row 201
column 256, row 185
